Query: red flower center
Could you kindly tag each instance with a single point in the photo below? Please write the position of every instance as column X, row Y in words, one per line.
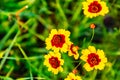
column 93, row 59
column 54, row 62
column 71, row 48
column 95, row 7
column 58, row 40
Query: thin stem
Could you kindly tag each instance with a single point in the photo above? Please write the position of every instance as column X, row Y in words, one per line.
column 94, row 75
column 77, row 65
column 92, row 36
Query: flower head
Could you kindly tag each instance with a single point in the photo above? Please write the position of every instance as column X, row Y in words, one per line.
column 53, row 61
column 92, row 26
column 58, row 40
column 93, row 8
column 75, row 71
column 94, row 59
column 72, row 76
column 73, row 51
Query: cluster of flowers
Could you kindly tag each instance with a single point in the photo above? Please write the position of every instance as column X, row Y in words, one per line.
column 59, row 42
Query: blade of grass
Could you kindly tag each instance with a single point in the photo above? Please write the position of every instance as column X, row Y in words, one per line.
column 25, row 56
column 62, row 14
column 8, row 50
column 29, row 58
column 2, row 42
column 28, row 78
column 5, row 78
column 41, row 37
column 8, row 74
column 31, row 75
column 77, row 12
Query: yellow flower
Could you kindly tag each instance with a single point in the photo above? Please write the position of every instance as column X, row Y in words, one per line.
column 73, row 50
column 72, row 76
column 58, row 40
column 93, row 8
column 54, row 62
column 94, row 59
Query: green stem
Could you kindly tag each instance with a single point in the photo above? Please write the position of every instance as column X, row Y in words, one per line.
column 93, row 76
column 92, row 36
column 77, row 65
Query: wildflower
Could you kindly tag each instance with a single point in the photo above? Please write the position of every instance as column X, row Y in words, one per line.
column 58, row 40
column 93, row 8
column 54, row 62
column 72, row 76
column 94, row 59
column 73, row 50
column 92, row 26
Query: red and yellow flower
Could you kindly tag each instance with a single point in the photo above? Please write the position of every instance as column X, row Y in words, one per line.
column 93, row 8
column 58, row 40
column 72, row 76
column 54, row 62
column 94, row 59
column 73, row 51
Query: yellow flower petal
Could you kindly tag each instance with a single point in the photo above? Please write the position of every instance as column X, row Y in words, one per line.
column 100, row 66
column 85, row 52
column 92, row 49
column 87, row 67
column 72, row 76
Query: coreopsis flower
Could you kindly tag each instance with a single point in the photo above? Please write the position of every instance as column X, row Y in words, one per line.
column 73, row 51
column 93, row 8
column 95, row 59
column 54, row 62
column 72, row 76
column 58, row 40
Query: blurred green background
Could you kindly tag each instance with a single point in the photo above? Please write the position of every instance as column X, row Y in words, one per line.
column 23, row 45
